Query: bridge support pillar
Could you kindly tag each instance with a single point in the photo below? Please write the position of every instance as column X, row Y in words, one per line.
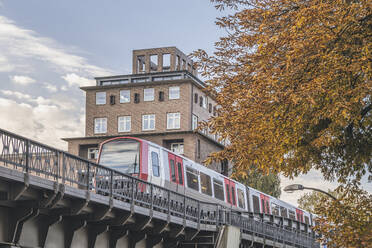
column 117, row 233
column 93, row 232
column 135, row 237
column 48, row 221
column 70, row 228
column 18, row 217
column 151, row 241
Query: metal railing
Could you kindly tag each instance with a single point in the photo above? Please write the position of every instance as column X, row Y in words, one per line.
column 37, row 159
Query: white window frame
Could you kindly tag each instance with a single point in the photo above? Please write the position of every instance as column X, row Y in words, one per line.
column 174, row 95
column 176, row 120
column 93, row 150
column 125, row 122
column 100, row 98
column 148, row 118
column 178, row 144
column 146, row 96
column 194, row 122
column 125, row 99
column 100, row 122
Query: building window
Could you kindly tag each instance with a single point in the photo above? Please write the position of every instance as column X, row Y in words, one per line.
column 196, row 98
column 100, row 125
column 177, row 148
column 100, row 98
column 205, row 102
column 173, row 120
column 148, row 94
column 166, row 62
column 154, row 62
column 148, row 122
column 194, row 122
column 174, row 92
column 124, row 123
column 124, row 96
column 93, row 153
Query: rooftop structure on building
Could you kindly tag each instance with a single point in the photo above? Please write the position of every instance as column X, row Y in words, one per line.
column 162, row 101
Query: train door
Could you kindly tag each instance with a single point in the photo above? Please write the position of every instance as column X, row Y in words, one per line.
column 155, row 168
column 230, row 189
column 265, row 203
column 299, row 215
column 176, row 169
column 179, row 168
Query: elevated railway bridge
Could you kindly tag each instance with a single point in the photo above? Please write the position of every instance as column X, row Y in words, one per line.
column 50, row 198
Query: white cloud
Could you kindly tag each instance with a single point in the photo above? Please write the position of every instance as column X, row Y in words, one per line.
column 23, row 80
column 5, row 65
column 27, row 44
column 44, row 123
column 61, row 104
column 75, row 80
column 50, row 87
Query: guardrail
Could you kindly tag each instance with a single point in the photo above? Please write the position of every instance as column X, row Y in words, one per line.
column 47, row 162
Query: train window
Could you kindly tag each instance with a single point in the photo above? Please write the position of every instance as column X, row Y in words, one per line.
column 283, row 212
column 192, row 178
column 263, row 206
column 218, row 189
column 205, row 182
column 275, row 210
column 155, row 164
column 180, row 172
column 241, row 200
column 307, row 220
column 173, row 171
column 256, row 204
column 267, row 207
column 228, row 193
column 233, row 195
column 292, row 215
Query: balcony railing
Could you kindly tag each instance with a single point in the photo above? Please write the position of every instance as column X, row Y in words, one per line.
column 149, row 77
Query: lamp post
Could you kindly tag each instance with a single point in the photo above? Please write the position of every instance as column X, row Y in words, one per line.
column 294, row 187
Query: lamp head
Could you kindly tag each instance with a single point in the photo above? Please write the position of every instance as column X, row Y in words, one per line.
column 293, row 187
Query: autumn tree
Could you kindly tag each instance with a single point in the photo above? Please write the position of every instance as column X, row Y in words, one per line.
column 269, row 184
column 347, row 221
column 310, row 201
column 293, row 81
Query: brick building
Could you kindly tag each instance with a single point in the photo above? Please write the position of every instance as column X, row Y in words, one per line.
column 162, row 101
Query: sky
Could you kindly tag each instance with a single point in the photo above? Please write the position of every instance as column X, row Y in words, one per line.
column 48, row 49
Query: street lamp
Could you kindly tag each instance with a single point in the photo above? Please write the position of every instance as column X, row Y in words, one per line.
column 294, row 187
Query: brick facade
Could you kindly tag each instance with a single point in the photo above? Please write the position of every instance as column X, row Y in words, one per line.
column 196, row 146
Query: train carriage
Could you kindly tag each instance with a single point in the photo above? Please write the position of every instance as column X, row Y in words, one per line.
column 160, row 166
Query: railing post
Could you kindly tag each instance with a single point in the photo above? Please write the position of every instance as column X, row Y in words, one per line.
column 198, row 212
column 218, row 215
column 27, row 155
column 63, row 169
column 168, row 202
column 132, row 190
column 151, row 197
column 184, row 207
column 111, row 181
column 88, row 178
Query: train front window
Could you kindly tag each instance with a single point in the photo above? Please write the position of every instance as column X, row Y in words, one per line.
column 122, row 155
